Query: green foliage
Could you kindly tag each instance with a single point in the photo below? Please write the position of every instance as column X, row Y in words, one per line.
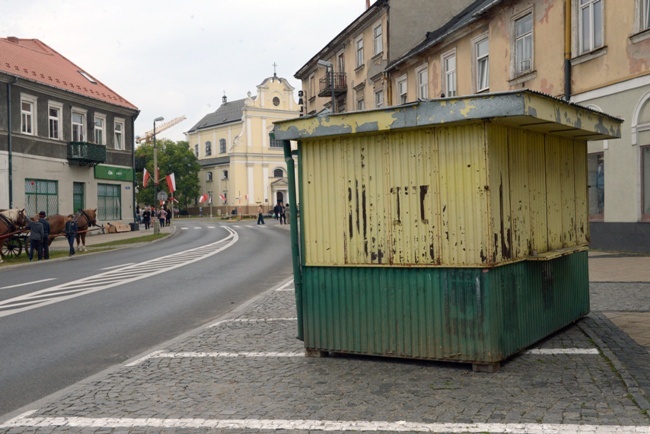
column 173, row 157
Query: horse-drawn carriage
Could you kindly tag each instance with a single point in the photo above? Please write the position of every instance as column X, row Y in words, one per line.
column 14, row 233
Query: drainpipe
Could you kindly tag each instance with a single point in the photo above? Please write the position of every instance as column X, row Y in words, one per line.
column 295, row 246
column 10, row 143
column 567, row 50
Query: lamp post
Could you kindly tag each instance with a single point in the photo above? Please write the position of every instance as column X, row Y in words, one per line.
column 329, row 70
column 156, row 222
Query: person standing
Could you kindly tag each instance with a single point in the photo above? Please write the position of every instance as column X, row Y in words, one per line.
column 260, row 215
column 70, row 230
column 46, row 238
column 283, row 216
column 36, row 236
column 276, row 211
column 168, row 216
column 146, row 217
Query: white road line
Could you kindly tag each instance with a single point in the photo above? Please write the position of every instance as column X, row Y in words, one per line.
column 551, row 351
column 184, row 228
column 117, row 266
column 198, row 227
column 28, row 283
column 286, row 286
column 211, row 227
column 106, row 280
column 26, row 420
column 250, row 320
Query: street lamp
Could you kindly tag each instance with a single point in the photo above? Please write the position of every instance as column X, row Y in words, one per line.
column 156, row 222
column 329, row 71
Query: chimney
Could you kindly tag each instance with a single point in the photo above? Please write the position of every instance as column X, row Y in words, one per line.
column 367, row 4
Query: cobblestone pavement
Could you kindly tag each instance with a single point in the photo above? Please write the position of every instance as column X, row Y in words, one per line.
column 246, row 373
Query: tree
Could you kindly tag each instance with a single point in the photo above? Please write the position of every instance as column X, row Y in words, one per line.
column 173, row 157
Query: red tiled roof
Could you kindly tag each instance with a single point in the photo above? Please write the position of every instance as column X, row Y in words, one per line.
column 33, row 60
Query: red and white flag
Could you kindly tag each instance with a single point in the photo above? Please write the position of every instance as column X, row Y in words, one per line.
column 203, row 198
column 223, row 197
column 145, row 178
column 171, row 183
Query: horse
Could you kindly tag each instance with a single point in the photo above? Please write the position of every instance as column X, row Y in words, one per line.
column 84, row 218
column 11, row 220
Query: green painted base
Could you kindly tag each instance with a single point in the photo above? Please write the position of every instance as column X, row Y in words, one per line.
column 451, row 314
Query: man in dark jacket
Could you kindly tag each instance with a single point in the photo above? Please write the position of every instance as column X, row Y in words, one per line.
column 36, row 236
column 71, row 229
column 46, row 230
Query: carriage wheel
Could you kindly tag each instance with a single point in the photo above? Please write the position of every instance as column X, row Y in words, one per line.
column 12, row 248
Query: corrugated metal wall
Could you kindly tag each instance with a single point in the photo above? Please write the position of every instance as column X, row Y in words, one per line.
column 457, row 314
column 470, row 195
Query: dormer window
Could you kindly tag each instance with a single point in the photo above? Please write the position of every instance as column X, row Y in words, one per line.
column 87, row 77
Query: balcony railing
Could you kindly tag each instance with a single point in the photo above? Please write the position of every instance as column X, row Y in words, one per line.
column 335, row 79
column 86, row 154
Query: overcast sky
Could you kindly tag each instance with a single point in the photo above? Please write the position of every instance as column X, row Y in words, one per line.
column 177, row 57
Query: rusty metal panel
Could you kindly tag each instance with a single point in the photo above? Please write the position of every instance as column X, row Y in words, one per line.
column 464, row 193
column 554, row 194
column 535, row 151
column 499, row 181
column 581, row 192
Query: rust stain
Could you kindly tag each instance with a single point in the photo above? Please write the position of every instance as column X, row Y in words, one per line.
column 424, row 189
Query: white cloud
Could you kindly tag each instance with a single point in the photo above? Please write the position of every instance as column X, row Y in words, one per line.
column 175, row 58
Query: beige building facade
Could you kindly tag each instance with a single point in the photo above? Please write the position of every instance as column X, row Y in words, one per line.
column 241, row 167
column 592, row 52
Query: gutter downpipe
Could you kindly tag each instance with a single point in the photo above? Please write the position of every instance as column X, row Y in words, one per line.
column 295, row 245
column 567, row 50
column 10, row 146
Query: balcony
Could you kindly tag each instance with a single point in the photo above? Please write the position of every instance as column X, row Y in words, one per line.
column 86, row 154
column 335, row 78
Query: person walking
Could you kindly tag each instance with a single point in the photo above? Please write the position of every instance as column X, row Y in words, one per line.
column 36, row 237
column 260, row 215
column 46, row 231
column 146, row 217
column 283, row 216
column 168, row 216
column 276, row 211
column 70, row 231
column 162, row 216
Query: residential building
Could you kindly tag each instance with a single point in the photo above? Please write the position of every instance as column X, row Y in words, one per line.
column 241, row 166
column 358, row 56
column 587, row 51
column 66, row 139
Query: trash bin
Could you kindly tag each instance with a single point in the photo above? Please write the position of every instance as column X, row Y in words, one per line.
column 455, row 229
column 134, row 226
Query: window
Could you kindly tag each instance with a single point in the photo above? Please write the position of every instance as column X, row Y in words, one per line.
column 644, row 15
column 196, row 150
column 41, row 195
column 119, row 134
column 274, row 143
column 378, row 41
column 312, row 87
column 379, row 99
column 423, row 83
column 341, row 62
column 208, row 176
column 278, row 173
column 524, row 44
column 100, row 129
column 645, row 189
column 109, row 202
column 78, row 196
column 78, row 126
column 361, row 104
column 28, row 114
column 359, row 53
column 224, row 175
column 449, row 65
column 54, row 111
column 401, row 90
column 208, row 149
column 596, row 179
column 222, row 146
column 482, row 54
column 590, row 25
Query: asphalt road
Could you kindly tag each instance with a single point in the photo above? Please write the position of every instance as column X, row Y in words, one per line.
column 137, row 302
